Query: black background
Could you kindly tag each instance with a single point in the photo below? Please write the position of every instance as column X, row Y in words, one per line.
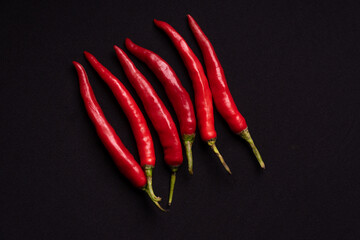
column 293, row 69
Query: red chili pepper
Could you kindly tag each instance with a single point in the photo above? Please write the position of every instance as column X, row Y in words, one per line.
column 120, row 154
column 158, row 114
column 136, row 119
column 203, row 98
column 132, row 111
column 220, row 90
column 177, row 94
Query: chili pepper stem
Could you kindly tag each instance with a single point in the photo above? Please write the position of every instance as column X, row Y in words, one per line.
column 153, row 200
column 172, row 184
column 245, row 134
column 188, row 142
column 149, row 188
column 211, row 143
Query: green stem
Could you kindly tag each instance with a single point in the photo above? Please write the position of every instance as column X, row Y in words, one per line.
column 211, row 143
column 188, row 142
column 246, row 135
column 153, row 200
column 149, row 189
column 172, row 184
column 148, row 172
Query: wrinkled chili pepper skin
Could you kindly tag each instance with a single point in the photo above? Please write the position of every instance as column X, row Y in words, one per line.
column 156, row 110
column 203, row 97
column 136, row 119
column 121, row 156
column 176, row 93
column 222, row 97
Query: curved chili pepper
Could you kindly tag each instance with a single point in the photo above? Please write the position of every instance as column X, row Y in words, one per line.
column 122, row 157
column 158, row 114
column 136, row 119
column 120, row 154
column 176, row 93
column 222, row 97
column 203, row 98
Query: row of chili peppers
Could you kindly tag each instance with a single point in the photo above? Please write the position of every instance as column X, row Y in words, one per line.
column 159, row 116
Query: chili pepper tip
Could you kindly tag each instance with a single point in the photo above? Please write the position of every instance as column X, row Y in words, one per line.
column 156, row 22
column 129, row 43
column 88, row 55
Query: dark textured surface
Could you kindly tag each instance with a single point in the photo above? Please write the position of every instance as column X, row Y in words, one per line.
column 293, row 68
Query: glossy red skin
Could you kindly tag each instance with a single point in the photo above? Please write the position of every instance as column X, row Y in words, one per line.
column 156, row 110
column 137, row 121
column 176, row 93
column 203, row 98
column 222, row 97
column 123, row 159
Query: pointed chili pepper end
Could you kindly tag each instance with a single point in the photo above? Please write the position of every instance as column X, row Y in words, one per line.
column 128, row 43
column 188, row 140
column 245, row 134
column 189, row 18
column 87, row 54
column 172, row 184
column 116, row 48
column 211, row 143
